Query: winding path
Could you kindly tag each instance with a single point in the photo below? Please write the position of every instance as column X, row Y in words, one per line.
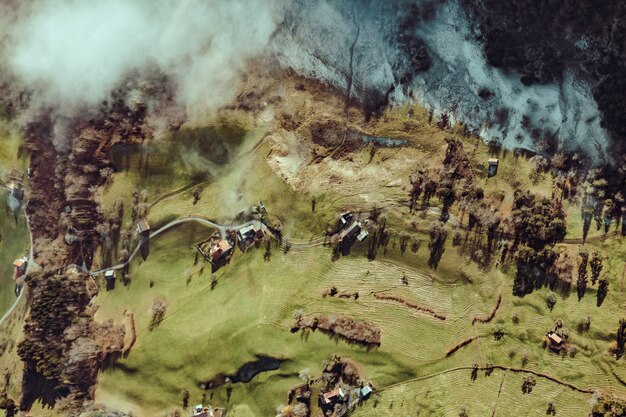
column 206, row 222
column 499, row 367
column 31, row 264
column 9, row 311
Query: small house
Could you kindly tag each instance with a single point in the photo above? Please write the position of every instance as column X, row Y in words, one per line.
column 219, row 250
column 246, row 233
column 109, row 277
column 20, row 266
column 332, row 397
column 555, row 339
column 143, row 228
column 492, row 167
column 365, row 392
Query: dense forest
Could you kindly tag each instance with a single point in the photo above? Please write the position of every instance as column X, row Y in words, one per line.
column 540, row 39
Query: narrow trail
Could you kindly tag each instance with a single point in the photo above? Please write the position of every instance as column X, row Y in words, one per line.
column 500, row 367
column 495, row 406
column 30, row 266
column 10, row 310
column 177, row 191
column 456, row 223
column 203, row 221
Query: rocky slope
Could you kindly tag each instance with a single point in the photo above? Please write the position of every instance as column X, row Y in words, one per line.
column 369, row 49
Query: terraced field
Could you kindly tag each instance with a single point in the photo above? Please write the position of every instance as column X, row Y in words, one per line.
column 429, row 319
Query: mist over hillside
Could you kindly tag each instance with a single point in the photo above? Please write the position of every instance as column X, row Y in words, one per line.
column 72, row 55
column 368, row 50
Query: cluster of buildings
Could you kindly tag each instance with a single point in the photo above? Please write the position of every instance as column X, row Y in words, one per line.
column 207, row 411
column 143, row 231
column 218, row 251
column 351, row 230
column 347, row 397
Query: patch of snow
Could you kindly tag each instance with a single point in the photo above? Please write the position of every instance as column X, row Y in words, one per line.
column 317, row 37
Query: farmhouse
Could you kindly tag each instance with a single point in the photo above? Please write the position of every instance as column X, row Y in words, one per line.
column 19, row 266
column 248, row 235
column 220, row 250
column 332, row 397
column 216, row 250
column 350, row 234
column 351, row 231
column 250, row 232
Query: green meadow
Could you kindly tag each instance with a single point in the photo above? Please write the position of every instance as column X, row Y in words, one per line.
column 210, row 330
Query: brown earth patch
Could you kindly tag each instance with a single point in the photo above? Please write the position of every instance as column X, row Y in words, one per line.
column 490, row 316
column 342, row 327
column 460, row 345
column 411, row 305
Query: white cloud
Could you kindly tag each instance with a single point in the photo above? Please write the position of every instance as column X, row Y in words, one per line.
column 74, row 52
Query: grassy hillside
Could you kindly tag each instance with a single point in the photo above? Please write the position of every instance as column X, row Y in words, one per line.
column 211, row 332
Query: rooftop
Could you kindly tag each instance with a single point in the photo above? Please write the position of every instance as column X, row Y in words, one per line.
column 143, row 226
column 555, row 338
column 330, row 396
column 18, row 263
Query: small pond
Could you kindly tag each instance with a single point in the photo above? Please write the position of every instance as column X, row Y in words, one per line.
column 248, row 371
column 379, row 140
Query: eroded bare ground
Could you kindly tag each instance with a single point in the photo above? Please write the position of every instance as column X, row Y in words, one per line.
column 320, row 145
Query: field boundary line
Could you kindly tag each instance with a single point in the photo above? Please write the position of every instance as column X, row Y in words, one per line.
column 500, row 367
column 495, row 406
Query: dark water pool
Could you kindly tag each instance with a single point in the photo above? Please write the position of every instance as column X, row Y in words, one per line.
column 247, row 371
column 379, row 140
